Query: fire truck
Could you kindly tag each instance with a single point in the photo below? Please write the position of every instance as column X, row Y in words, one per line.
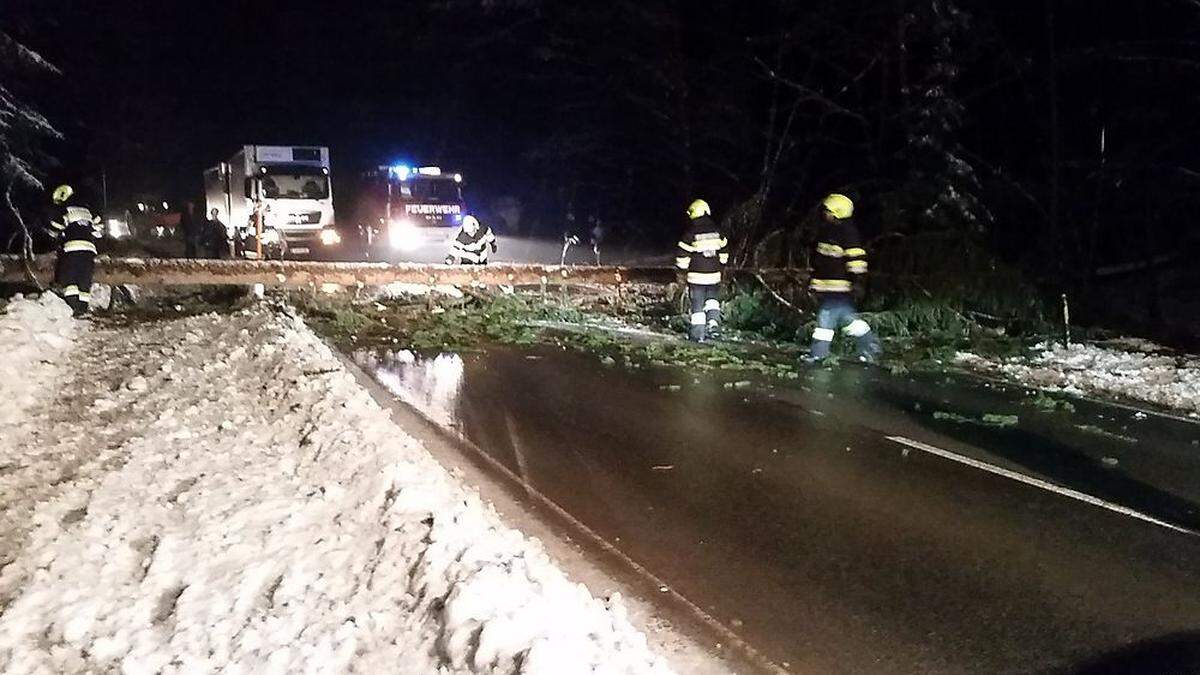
column 412, row 209
column 276, row 201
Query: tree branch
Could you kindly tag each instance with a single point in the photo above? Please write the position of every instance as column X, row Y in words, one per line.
column 809, row 93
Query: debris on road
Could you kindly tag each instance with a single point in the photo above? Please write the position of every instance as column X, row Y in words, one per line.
column 1049, row 404
column 1001, row 420
column 988, row 419
column 1093, row 429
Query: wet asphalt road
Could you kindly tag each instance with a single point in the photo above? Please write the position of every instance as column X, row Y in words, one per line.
column 798, row 517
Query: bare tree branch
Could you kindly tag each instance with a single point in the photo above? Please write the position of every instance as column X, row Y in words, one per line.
column 809, row 94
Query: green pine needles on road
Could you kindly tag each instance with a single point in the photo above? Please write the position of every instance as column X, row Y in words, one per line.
column 642, row 330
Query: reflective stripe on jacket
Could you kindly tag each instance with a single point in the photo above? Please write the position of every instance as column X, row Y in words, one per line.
column 703, row 252
column 473, row 247
column 76, row 245
column 839, row 258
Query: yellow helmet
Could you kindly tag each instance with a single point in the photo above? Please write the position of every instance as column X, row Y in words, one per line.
column 698, row 208
column 62, row 193
column 839, row 205
column 470, row 221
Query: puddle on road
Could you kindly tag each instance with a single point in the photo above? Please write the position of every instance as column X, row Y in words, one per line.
column 432, row 385
column 566, row 409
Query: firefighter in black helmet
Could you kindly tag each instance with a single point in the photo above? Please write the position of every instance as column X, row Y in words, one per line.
column 702, row 252
column 77, row 231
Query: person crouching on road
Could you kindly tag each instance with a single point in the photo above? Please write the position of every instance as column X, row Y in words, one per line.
column 702, row 253
column 839, row 281
column 472, row 244
column 77, row 230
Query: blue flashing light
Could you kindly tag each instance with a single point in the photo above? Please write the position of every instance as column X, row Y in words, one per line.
column 457, row 218
column 401, row 171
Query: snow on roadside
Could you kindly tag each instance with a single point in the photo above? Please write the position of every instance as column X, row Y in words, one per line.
column 264, row 514
column 1168, row 381
column 36, row 335
column 400, row 289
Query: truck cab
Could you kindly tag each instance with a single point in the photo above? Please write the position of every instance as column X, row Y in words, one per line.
column 275, row 201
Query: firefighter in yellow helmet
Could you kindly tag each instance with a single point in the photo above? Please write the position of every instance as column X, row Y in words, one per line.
column 702, row 253
column 77, row 231
column 839, row 281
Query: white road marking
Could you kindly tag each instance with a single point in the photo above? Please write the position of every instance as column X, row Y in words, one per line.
column 1037, row 482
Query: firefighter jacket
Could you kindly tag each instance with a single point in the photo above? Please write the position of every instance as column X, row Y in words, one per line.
column 473, row 248
column 840, row 260
column 702, row 252
column 76, row 227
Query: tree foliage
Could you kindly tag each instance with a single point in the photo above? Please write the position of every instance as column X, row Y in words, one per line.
column 937, row 116
column 23, row 132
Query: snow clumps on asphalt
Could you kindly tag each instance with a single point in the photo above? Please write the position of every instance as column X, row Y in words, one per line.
column 1169, row 381
column 242, row 504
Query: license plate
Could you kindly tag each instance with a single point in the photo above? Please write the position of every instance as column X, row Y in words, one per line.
column 300, row 250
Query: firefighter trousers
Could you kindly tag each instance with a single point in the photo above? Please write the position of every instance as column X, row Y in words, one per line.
column 837, row 311
column 73, row 272
column 706, row 311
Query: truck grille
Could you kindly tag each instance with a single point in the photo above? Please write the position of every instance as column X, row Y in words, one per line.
column 310, row 218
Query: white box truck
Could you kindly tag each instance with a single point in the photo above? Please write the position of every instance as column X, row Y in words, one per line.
column 275, row 200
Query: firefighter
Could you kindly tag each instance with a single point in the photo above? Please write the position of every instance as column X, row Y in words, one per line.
column 702, row 254
column 839, row 281
column 77, row 230
column 471, row 245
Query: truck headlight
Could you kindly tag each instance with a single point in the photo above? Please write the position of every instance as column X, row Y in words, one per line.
column 403, row 235
column 330, row 237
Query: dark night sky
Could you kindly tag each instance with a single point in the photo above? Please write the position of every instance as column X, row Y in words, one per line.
column 156, row 91
column 175, row 87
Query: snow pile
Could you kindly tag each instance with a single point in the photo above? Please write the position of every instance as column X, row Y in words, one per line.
column 102, row 296
column 401, row 290
column 1133, row 344
column 36, row 335
column 254, row 510
column 1168, row 381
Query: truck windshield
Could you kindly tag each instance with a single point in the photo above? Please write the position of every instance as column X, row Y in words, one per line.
column 435, row 190
column 295, row 186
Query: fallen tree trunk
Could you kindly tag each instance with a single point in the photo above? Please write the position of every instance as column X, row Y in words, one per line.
column 304, row 274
